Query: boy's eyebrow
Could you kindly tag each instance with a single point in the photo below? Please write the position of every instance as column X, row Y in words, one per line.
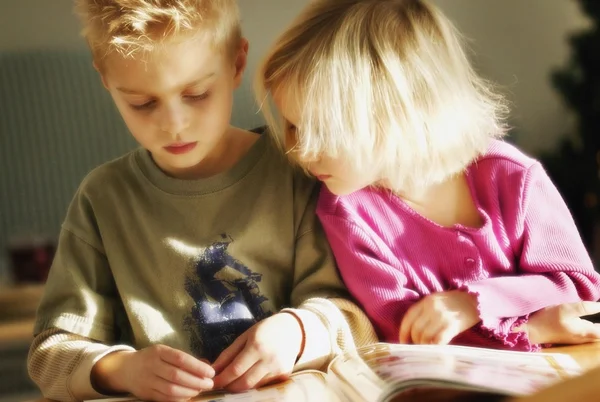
column 191, row 84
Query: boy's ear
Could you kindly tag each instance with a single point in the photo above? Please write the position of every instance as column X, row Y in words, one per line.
column 241, row 61
column 102, row 77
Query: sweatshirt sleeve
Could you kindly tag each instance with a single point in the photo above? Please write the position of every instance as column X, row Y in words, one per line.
column 78, row 314
column 553, row 264
column 60, row 363
column 332, row 322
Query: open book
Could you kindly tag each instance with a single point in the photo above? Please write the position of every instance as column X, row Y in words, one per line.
column 386, row 372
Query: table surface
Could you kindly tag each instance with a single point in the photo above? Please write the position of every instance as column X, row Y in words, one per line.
column 587, row 355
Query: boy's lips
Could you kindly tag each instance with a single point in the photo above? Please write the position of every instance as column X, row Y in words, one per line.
column 180, row 147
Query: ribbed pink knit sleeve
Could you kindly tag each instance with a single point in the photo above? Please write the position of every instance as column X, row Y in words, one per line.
column 553, row 266
column 371, row 272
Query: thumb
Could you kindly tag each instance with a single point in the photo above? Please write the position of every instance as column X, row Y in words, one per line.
column 585, row 308
column 230, row 353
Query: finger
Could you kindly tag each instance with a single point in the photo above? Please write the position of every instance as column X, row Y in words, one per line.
column 227, row 356
column 448, row 333
column 269, row 379
column 584, row 308
column 587, row 329
column 173, row 391
column 181, row 377
column 407, row 322
column 186, row 362
column 238, row 368
column 250, row 379
column 418, row 329
column 432, row 334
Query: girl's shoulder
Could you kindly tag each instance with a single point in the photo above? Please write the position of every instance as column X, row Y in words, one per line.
column 502, row 170
column 502, row 154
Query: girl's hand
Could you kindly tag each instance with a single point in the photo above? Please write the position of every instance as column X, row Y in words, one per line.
column 562, row 324
column 264, row 353
column 439, row 317
column 157, row 373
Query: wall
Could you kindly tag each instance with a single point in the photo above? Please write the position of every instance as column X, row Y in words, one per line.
column 35, row 24
column 518, row 43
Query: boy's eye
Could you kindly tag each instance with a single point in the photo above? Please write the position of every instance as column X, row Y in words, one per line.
column 144, row 106
column 200, row 97
column 151, row 104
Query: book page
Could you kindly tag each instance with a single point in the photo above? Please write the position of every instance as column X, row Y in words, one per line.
column 353, row 380
column 510, row 373
column 434, row 394
column 305, row 386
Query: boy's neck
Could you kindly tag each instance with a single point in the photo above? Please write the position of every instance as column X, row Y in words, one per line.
column 234, row 145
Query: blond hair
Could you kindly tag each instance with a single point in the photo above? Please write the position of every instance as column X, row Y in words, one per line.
column 386, row 83
column 131, row 26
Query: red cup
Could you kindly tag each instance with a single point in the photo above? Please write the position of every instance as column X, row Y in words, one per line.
column 30, row 259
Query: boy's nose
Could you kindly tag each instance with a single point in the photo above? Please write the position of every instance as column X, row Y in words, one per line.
column 174, row 120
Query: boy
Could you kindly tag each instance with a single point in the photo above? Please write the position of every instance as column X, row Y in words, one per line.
column 174, row 259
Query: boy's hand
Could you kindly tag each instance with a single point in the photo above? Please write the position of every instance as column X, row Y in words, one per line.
column 562, row 324
column 158, row 373
column 265, row 352
column 439, row 317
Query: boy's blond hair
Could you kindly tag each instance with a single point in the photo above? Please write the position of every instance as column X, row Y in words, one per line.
column 385, row 83
column 130, row 26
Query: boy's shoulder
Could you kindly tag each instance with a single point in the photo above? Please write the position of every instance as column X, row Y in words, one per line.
column 100, row 191
column 276, row 160
column 110, row 174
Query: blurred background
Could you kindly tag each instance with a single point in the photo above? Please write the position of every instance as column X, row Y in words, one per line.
column 57, row 122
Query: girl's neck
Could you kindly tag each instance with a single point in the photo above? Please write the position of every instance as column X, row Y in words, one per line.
column 448, row 203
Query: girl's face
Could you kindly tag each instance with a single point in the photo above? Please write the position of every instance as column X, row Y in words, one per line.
column 340, row 174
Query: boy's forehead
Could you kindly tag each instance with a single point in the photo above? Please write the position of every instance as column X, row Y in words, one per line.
column 171, row 64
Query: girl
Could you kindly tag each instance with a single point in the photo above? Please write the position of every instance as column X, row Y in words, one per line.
column 443, row 232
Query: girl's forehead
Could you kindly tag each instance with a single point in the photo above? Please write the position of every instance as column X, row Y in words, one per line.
column 288, row 103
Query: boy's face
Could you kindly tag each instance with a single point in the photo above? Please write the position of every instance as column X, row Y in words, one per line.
column 340, row 175
column 177, row 100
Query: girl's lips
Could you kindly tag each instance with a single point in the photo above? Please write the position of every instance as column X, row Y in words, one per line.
column 323, row 177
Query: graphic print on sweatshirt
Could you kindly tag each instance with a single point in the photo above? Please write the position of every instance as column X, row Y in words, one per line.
column 227, row 300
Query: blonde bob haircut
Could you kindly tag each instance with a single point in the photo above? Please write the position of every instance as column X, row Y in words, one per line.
column 383, row 83
column 131, row 26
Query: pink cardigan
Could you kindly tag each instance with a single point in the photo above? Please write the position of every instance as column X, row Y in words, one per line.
column 527, row 255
